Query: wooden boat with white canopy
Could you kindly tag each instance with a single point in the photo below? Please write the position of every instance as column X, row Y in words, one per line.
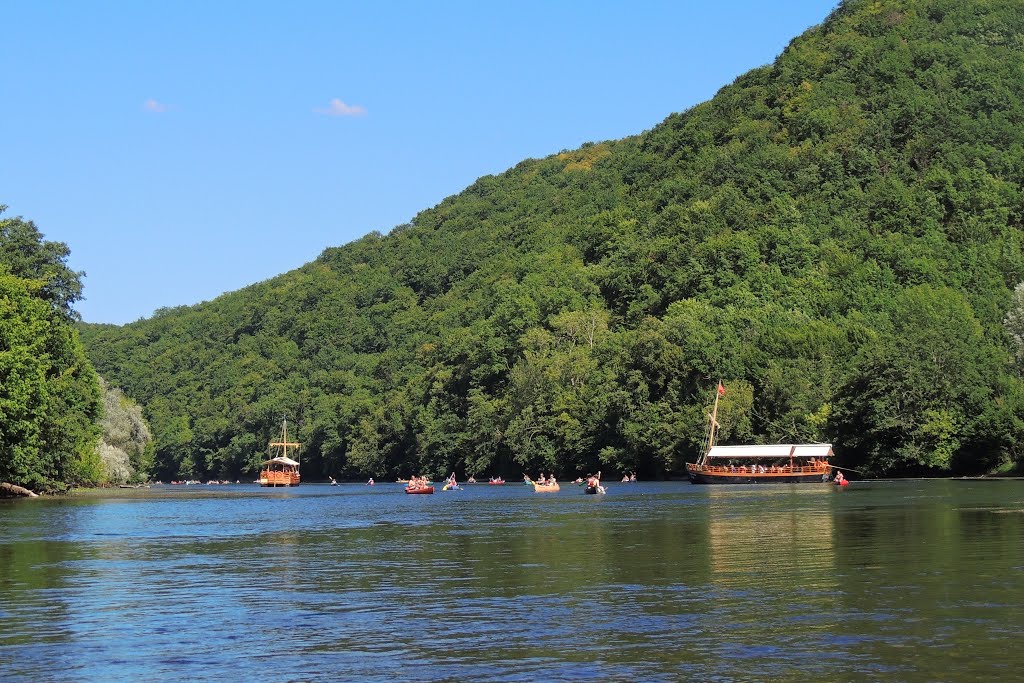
column 768, row 464
column 772, row 464
column 281, row 470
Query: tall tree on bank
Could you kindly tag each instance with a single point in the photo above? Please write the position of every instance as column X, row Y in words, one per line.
column 49, row 392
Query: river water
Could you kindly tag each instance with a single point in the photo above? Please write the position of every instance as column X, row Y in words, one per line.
column 907, row 580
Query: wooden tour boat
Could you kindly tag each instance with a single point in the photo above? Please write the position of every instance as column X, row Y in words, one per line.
column 281, row 470
column 769, row 464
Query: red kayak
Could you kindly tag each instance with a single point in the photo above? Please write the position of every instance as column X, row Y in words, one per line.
column 422, row 489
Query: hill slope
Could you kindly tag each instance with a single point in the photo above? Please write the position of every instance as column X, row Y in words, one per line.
column 836, row 236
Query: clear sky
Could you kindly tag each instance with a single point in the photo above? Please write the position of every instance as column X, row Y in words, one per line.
column 186, row 149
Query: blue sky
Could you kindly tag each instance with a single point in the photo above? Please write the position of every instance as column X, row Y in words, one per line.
column 190, row 148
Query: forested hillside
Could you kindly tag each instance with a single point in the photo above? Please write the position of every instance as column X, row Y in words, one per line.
column 836, row 236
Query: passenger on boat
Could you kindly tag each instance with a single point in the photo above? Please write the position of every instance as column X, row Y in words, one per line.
column 625, row 478
column 839, row 478
column 370, row 482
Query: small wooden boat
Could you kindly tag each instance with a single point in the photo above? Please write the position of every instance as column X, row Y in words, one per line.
column 545, row 487
column 281, row 470
column 421, row 489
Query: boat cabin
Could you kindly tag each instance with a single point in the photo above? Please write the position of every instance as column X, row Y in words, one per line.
column 280, row 472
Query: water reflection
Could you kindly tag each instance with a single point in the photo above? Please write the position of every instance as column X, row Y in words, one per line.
column 651, row 582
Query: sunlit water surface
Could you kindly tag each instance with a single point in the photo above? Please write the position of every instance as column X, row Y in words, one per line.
column 909, row 581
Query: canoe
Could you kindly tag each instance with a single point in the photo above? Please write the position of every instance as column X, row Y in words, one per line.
column 422, row 489
column 449, row 487
column 594, row 489
column 546, row 487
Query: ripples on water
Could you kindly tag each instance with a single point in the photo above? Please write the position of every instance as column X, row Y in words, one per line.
column 886, row 581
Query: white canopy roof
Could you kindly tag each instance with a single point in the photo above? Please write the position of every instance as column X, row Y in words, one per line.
column 282, row 461
column 799, row 450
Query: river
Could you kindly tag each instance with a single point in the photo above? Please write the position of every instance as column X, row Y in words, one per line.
column 901, row 580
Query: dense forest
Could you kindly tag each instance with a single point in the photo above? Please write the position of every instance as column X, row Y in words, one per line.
column 835, row 236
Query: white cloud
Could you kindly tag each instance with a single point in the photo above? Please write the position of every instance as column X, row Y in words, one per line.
column 154, row 106
column 339, row 108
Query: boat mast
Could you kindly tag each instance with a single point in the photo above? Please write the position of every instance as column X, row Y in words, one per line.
column 285, row 443
column 713, row 426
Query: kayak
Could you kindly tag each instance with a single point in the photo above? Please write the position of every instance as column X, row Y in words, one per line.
column 422, row 489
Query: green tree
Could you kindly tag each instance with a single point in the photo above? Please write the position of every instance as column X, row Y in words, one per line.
column 49, row 395
column 25, row 254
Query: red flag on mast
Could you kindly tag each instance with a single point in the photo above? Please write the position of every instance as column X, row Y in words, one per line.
column 721, row 389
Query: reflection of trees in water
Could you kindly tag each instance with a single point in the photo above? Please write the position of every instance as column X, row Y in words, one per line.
column 36, row 574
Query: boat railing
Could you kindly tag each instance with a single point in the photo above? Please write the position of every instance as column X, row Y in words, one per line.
column 743, row 469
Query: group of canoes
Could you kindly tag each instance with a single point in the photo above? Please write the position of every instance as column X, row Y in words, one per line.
column 542, row 484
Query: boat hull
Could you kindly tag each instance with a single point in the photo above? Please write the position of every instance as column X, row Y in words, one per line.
column 702, row 477
column 541, row 487
column 279, row 478
column 422, row 489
